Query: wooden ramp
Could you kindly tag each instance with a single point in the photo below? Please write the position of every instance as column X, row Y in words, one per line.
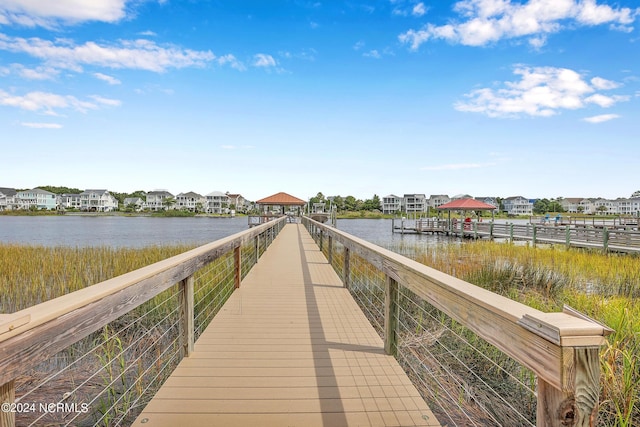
column 289, row 348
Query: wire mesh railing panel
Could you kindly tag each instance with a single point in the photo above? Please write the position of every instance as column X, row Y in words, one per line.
column 248, row 252
column 213, row 285
column 106, row 378
column 465, row 380
column 366, row 284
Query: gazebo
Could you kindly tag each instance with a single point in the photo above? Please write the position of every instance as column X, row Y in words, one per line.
column 465, row 205
column 280, row 203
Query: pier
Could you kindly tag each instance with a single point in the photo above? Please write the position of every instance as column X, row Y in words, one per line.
column 294, row 324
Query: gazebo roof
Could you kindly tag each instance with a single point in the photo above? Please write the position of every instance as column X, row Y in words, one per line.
column 466, row 205
column 282, row 199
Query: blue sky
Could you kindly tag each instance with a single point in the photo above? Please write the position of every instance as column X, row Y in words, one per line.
column 539, row 98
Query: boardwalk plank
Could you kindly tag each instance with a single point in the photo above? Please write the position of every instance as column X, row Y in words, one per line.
column 290, row 348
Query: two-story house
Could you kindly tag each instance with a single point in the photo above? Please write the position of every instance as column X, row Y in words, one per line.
column 98, row 201
column 391, row 204
column 517, row 205
column 69, row 201
column 217, row 203
column 436, row 200
column 36, row 199
column 415, row 203
column 8, row 199
column 158, row 200
column 191, row 201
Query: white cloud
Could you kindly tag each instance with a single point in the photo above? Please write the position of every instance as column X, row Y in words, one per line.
column 232, row 61
column 419, row 9
column 264, row 60
column 488, row 21
column 106, row 101
column 42, row 125
column 105, row 78
column 45, row 102
column 372, row 54
column 541, row 91
column 601, row 118
column 45, row 13
column 134, row 54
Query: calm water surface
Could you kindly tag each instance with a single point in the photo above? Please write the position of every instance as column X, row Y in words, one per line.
column 121, row 231
column 115, row 231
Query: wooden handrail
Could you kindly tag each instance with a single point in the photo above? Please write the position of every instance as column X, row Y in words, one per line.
column 560, row 348
column 56, row 324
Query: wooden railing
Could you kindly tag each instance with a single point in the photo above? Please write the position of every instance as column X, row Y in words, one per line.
column 37, row 334
column 562, row 349
column 588, row 237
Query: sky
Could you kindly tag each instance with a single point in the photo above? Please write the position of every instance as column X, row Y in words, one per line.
column 533, row 98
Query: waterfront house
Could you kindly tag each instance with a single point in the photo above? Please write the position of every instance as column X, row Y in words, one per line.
column 237, row 202
column 8, row 199
column 98, row 201
column 69, row 201
column 391, row 204
column 415, row 203
column 605, row 206
column 36, row 199
column 158, row 200
column 191, row 201
column 489, row 200
column 280, row 204
column 629, row 206
column 134, row 203
column 217, row 202
column 517, row 205
column 436, row 200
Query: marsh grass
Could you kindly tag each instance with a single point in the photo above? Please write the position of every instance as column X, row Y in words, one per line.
column 117, row 368
column 606, row 287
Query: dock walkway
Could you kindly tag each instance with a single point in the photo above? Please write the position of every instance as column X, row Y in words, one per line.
column 290, row 348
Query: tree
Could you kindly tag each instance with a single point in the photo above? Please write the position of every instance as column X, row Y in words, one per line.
column 350, row 203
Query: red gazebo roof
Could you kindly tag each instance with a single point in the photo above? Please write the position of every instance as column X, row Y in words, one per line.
column 467, row 205
column 282, row 199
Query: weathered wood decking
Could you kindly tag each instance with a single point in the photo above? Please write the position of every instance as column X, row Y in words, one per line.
column 289, row 348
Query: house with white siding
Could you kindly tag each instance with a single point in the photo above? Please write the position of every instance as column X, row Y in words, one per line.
column 191, row 201
column 158, row 200
column 134, row 203
column 391, row 204
column 98, row 201
column 493, row 201
column 69, row 201
column 36, row 199
column 217, row 203
column 605, row 206
column 629, row 206
column 436, row 200
column 238, row 201
column 517, row 205
column 415, row 203
column 8, row 199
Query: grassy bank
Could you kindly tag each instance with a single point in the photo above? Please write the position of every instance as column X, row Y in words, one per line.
column 605, row 287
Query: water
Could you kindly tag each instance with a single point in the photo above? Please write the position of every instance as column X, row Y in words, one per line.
column 115, row 231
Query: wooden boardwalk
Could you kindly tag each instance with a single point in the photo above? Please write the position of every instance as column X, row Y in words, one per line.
column 289, row 348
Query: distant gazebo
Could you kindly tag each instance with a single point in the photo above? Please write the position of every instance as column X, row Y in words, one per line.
column 280, row 204
column 465, row 205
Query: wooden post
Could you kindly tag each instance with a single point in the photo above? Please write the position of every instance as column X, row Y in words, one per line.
column 567, row 236
column 577, row 405
column 390, row 316
column 237, row 262
column 186, row 316
column 321, row 236
column 7, row 395
column 491, row 231
column 605, row 239
column 511, row 233
column 330, row 250
column 534, row 234
column 257, row 246
column 346, row 269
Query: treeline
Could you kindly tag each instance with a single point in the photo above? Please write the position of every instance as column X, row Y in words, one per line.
column 348, row 203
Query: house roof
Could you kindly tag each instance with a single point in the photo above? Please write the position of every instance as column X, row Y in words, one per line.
column 467, row 204
column 281, row 199
column 8, row 191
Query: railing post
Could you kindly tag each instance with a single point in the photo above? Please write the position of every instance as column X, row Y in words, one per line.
column 330, row 249
column 186, row 316
column 321, row 238
column 346, row 269
column 567, row 236
column 605, row 239
column 491, row 231
column 237, row 262
column 7, row 396
column 511, row 233
column 577, row 404
column 534, row 234
column 390, row 316
column 257, row 247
